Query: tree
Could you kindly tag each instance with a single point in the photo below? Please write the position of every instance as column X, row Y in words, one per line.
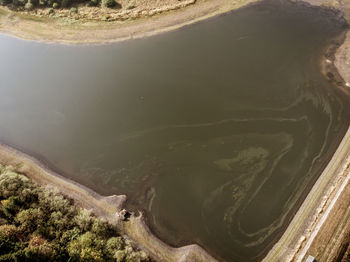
column 114, row 244
column 29, row 6
column 39, row 249
column 83, row 220
column 41, row 224
column 30, row 219
column 12, row 184
column 101, row 228
column 84, row 248
column 8, row 232
column 10, row 206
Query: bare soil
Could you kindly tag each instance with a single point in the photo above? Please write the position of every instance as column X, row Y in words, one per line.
column 116, row 25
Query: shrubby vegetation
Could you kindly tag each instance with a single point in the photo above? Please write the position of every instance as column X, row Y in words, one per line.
column 40, row 224
column 31, row 4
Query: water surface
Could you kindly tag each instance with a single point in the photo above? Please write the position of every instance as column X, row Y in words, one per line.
column 215, row 130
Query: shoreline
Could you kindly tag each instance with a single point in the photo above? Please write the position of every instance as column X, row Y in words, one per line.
column 308, row 220
column 55, row 31
column 319, row 209
column 105, row 207
column 293, row 244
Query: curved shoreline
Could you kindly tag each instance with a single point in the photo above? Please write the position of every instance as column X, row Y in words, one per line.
column 51, row 30
column 313, row 215
column 294, row 243
column 106, row 207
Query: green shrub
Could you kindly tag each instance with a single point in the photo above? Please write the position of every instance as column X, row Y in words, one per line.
column 86, row 247
column 29, row 6
column 114, row 244
column 55, row 4
column 12, row 184
column 9, row 241
column 69, row 235
column 93, row 2
column 51, row 200
column 39, row 249
column 83, row 220
column 73, row 10
column 109, row 3
column 40, row 224
column 10, row 207
column 30, row 219
column 5, row 2
column 101, row 228
column 8, row 232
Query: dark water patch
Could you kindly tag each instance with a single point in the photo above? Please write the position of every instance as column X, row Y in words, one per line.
column 217, row 130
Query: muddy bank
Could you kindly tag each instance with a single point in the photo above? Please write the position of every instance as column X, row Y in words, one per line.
column 68, row 31
column 338, row 56
column 342, row 60
column 105, row 207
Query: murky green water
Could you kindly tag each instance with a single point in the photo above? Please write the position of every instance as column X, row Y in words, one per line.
column 215, row 130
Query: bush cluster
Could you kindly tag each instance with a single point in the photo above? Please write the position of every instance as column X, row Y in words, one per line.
column 41, row 224
column 32, row 4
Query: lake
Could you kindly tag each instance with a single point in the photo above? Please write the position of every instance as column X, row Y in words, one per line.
column 217, row 131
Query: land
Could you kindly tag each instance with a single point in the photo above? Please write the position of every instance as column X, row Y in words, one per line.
column 108, row 208
column 38, row 223
column 110, row 25
column 321, row 227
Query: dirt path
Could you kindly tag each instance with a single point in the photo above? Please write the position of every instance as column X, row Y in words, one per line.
column 321, row 223
column 315, row 209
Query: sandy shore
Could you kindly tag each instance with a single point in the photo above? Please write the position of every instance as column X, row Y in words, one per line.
column 58, row 30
